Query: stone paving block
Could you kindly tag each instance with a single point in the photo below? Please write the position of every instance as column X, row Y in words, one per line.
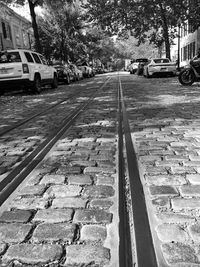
column 92, row 216
column 194, row 158
column 53, row 215
column 29, row 203
column 192, row 163
column 101, row 203
column 83, row 255
column 194, row 231
column 93, row 233
column 171, row 233
column 105, row 180
column 176, row 218
column 183, row 170
column 160, row 180
column 166, row 163
column 94, row 170
column 85, row 140
column 179, row 253
column 21, row 216
column 54, row 232
column 193, row 178
column 161, row 202
column 178, row 158
column 14, row 232
column 98, row 191
column 69, row 170
column 83, row 163
column 163, row 190
column 79, row 179
column 181, row 203
column 52, row 179
column 190, row 190
column 36, row 190
column 34, row 254
column 61, row 191
column 149, row 158
column 68, row 202
column 156, row 170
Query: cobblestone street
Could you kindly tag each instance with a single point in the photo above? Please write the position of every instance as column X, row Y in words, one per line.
column 65, row 212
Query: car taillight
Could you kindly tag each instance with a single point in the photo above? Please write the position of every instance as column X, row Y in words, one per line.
column 25, row 68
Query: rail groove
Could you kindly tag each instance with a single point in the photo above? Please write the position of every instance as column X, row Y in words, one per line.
column 145, row 253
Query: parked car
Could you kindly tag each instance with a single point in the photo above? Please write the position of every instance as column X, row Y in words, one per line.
column 158, row 66
column 64, row 73
column 77, row 73
column 137, row 66
column 26, row 69
column 86, row 69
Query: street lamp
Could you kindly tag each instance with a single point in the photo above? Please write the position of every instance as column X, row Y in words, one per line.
column 179, row 35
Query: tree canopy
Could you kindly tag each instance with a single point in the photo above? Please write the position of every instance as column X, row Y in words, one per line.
column 153, row 20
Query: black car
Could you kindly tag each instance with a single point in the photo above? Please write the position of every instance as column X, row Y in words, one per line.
column 142, row 62
column 64, row 73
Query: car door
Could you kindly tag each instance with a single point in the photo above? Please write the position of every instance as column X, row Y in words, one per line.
column 39, row 67
column 47, row 69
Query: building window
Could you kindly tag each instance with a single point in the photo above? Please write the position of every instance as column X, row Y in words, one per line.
column 6, row 30
column 17, row 36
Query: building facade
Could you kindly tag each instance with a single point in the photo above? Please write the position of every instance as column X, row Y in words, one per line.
column 189, row 44
column 15, row 30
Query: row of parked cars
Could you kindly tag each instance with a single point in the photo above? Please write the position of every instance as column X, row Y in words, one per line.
column 30, row 70
column 153, row 67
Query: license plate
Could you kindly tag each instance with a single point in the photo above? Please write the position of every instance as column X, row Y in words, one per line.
column 3, row 71
column 163, row 68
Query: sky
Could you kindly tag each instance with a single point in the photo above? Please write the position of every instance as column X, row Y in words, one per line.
column 24, row 10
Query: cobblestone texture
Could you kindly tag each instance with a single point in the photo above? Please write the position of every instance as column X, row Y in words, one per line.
column 61, row 215
column 165, row 130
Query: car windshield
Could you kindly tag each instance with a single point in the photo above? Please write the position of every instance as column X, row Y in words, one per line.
column 161, row 60
column 141, row 60
column 9, row 57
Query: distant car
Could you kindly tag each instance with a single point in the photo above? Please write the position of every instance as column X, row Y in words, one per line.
column 64, row 73
column 137, row 66
column 26, row 69
column 157, row 66
column 78, row 74
column 86, row 69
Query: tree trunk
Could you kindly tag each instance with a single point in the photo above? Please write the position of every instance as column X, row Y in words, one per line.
column 165, row 32
column 35, row 27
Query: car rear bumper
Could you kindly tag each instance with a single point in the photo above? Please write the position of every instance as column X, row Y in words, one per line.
column 6, row 84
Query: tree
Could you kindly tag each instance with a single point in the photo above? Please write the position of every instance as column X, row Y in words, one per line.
column 140, row 17
column 32, row 4
column 61, row 31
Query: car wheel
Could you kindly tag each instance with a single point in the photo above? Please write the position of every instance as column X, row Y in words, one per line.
column 37, row 85
column 55, row 82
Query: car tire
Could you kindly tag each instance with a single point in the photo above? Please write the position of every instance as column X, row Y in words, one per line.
column 55, row 82
column 37, row 85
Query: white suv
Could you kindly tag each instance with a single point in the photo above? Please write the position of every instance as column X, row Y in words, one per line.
column 26, row 69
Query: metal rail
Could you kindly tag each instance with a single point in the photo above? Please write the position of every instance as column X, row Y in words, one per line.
column 145, row 253
column 17, row 175
column 22, row 122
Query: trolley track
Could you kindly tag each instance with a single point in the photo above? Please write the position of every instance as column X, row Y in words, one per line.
column 144, row 248
column 38, row 114
column 18, row 174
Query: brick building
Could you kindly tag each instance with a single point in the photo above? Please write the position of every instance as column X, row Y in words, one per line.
column 15, row 30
